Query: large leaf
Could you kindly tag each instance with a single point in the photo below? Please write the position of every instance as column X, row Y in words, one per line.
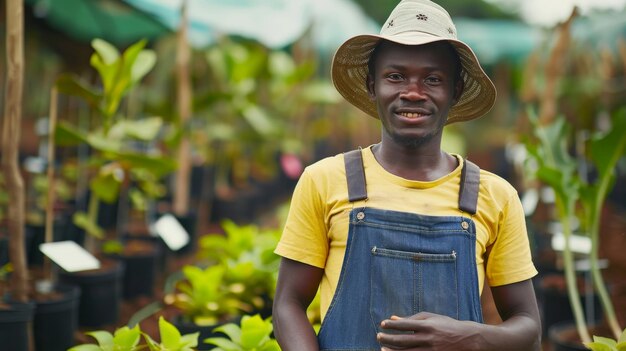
column 107, row 52
column 144, row 63
column 145, row 129
column 66, row 134
column 170, row 336
column 71, row 85
column 104, row 338
column 609, row 148
column 254, row 331
column 125, row 339
column 157, row 165
column 82, row 220
column 106, row 186
column 258, row 119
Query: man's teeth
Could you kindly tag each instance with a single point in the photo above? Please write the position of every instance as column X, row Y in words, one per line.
column 411, row 114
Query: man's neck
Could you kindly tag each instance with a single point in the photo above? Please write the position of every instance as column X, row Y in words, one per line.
column 422, row 164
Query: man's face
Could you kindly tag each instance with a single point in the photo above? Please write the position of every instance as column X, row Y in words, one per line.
column 414, row 88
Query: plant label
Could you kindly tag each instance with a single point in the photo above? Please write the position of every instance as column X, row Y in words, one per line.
column 172, row 232
column 70, row 256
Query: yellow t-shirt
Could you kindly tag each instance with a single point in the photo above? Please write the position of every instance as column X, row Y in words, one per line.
column 316, row 230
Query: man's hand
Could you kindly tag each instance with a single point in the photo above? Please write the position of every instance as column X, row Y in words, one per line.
column 429, row 331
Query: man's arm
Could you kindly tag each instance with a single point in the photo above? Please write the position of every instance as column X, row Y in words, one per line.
column 297, row 285
column 520, row 329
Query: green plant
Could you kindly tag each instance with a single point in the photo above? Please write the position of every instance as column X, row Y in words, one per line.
column 114, row 163
column 607, row 344
column 129, row 339
column 171, row 339
column 202, row 296
column 247, row 253
column 254, row 334
column 559, row 170
column 124, row 339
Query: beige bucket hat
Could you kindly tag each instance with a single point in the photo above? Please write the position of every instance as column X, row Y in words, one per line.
column 413, row 22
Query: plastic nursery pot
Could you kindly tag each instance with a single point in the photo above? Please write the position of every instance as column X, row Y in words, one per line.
column 206, row 331
column 101, row 293
column 56, row 319
column 140, row 259
column 14, row 320
column 564, row 337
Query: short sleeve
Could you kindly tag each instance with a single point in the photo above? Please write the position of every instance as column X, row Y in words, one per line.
column 304, row 238
column 509, row 258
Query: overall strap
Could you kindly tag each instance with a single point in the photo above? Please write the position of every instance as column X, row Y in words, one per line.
column 355, row 175
column 468, row 192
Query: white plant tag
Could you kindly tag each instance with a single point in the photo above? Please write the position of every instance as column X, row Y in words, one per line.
column 70, row 256
column 578, row 243
column 172, row 232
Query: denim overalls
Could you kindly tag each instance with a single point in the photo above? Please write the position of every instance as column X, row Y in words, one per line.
column 399, row 263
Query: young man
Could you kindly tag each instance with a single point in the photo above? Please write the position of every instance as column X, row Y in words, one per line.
column 400, row 236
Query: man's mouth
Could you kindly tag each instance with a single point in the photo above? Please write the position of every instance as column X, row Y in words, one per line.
column 412, row 114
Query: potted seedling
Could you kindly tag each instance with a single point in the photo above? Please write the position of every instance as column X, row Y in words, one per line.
column 253, row 334
column 129, row 339
column 113, row 166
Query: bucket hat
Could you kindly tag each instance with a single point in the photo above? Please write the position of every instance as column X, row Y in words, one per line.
column 412, row 22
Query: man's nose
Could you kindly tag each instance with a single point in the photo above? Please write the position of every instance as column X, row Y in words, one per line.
column 414, row 91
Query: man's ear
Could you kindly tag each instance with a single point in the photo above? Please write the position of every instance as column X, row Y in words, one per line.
column 369, row 82
column 458, row 90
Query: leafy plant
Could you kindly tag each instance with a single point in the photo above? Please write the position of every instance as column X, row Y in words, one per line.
column 171, row 339
column 115, row 162
column 247, row 253
column 559, row 170
column 607, row 344
column 129, row 339
column 254, row 334
column 124, row 339
column 203, row 297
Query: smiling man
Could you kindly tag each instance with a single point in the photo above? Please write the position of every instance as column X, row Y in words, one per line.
column 400, row 236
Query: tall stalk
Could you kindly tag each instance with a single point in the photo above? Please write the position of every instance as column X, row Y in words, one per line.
column 10, row 146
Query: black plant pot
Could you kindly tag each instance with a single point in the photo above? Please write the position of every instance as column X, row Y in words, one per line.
column 140, row 266
column 14, row 323
column 35, row 235
column 56, row 320
column 563, row 336
column 101, row 293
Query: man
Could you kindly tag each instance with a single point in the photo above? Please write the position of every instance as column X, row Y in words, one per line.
column 400, row 236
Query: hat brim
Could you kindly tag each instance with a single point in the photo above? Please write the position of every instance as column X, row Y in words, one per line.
column 349, row 71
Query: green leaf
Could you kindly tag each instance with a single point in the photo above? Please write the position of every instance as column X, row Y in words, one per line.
column 605, row 341
column 106, row 186
column 145, row 129
column 258, row 119
column 170, row 336
column 621, row 346
column 232, row 330
column 71, row 85
column 597, row 346
column 157, row 165
column 143, row 64
column 104, row 338
column 66, row 134
column 82, row 220
column 190, row 340
column 105, row 50
column 254, row 330
column 224, row 344
column 126, row 338
column 607, row 149
column 103, row 143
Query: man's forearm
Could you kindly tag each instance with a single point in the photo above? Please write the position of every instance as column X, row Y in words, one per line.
column 293, row 330
column 517, row 333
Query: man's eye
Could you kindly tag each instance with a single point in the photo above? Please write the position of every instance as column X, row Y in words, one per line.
column 433, row 80
column 394, row 76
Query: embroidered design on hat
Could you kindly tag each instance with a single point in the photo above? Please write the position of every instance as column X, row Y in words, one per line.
column 421, row 17
column 451, row 31
column 390, row 24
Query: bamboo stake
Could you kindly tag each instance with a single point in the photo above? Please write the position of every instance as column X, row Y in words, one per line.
column 181, row 189
column 10, row 146
column 52, row 121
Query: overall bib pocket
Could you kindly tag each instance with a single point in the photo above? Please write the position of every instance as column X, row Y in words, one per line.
column 404, row 283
